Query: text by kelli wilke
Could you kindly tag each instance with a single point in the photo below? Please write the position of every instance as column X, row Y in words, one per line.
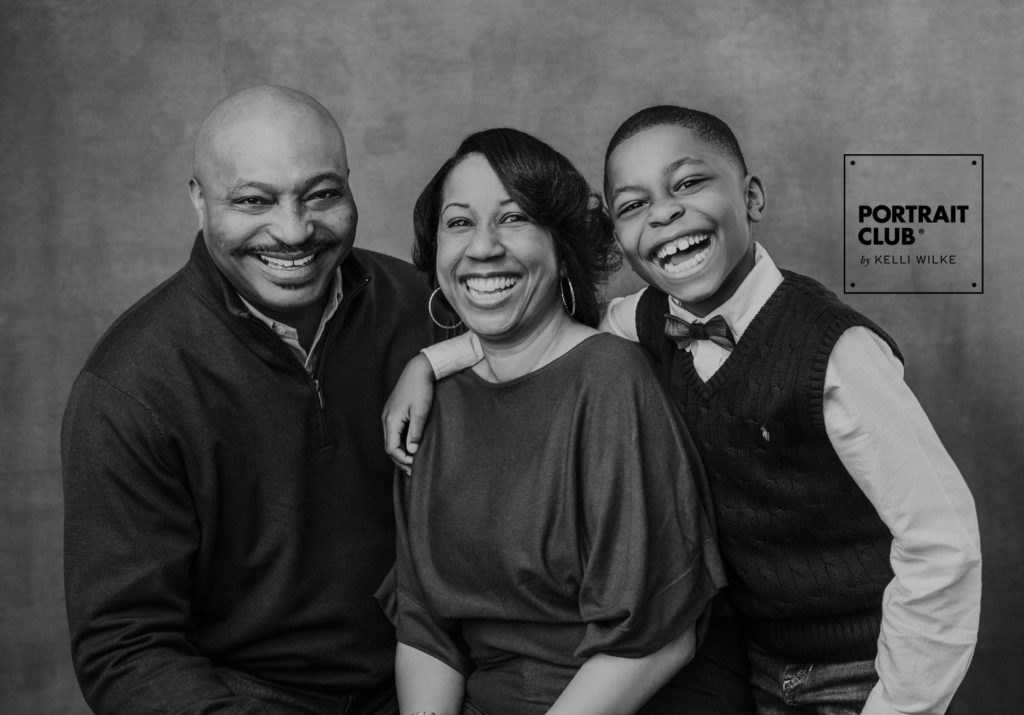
column 887, row 226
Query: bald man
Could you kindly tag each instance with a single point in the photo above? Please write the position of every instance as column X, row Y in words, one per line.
column 227, row 495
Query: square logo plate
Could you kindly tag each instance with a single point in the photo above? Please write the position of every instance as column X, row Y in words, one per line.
column 913, row 223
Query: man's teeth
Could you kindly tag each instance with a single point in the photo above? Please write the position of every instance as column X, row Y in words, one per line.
column 667, row 258
column 490, row 285
column 285, row 264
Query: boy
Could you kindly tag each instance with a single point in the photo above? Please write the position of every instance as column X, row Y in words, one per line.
column 850, row 536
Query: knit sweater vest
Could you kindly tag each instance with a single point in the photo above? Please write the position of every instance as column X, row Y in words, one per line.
column 807, row 554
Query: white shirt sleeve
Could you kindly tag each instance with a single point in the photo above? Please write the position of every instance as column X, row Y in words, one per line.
column 453, row 355
column 930, row 609
column 618, row 316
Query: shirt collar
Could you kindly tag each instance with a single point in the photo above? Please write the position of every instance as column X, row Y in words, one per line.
column 743, row 305
column 289, row 334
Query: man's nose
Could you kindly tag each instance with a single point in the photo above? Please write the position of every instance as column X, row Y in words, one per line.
column 291, row 226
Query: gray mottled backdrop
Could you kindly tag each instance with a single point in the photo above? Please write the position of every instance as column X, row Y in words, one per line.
column 100, row 102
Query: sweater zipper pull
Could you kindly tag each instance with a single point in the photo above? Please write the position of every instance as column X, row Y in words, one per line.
column 319, row 393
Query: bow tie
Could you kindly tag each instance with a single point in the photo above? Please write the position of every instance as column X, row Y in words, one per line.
column 716, row 330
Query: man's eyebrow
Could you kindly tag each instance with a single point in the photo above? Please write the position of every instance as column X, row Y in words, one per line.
column 244, row 184
column 331, row 176
column 306, row 185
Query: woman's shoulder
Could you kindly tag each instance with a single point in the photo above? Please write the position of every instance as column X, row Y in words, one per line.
column 599, row 358
column 614, row 368
column 611, row 352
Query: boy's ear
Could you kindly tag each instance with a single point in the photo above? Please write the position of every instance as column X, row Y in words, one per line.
column 755, row 197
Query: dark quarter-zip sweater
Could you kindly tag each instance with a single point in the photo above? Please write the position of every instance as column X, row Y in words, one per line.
column 225, row 508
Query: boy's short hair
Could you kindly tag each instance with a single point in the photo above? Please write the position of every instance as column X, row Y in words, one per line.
column 706, row 127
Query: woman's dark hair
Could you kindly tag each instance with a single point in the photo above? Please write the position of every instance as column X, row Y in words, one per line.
column 549, row 189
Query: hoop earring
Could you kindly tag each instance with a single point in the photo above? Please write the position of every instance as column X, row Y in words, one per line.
column 572, row 295
column 430, row 309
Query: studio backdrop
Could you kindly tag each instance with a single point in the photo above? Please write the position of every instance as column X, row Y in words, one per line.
column 100, row 102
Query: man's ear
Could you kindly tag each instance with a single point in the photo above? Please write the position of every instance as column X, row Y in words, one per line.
column 195, row 190
column 755, row 198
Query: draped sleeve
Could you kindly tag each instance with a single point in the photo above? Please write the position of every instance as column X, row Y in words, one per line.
column 401, row 597
column 651, row 563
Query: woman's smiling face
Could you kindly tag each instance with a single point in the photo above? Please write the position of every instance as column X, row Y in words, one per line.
column 495, row 265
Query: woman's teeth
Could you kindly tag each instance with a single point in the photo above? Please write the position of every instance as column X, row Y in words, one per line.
column 685, row 253
column 490, row 286
column 285, row 265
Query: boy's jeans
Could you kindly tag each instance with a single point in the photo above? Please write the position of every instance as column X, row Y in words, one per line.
column 782, row 687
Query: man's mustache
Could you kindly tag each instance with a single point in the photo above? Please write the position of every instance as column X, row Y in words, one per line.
column 316, row 242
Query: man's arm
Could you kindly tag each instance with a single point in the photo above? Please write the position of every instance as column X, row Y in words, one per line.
column 930, row 609
column 129, row 537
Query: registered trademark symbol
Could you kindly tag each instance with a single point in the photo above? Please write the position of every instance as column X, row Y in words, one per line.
column 920, row 230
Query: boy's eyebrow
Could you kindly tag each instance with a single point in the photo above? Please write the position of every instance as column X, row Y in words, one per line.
column 624, row 189
column 683, row 161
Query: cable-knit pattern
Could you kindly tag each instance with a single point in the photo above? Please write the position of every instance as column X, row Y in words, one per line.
column 808, row 556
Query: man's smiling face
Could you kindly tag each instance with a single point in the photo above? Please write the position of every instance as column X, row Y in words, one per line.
column 272, row 195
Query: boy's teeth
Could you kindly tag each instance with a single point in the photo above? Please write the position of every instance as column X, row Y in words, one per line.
column 283, row 264
column 676, row 256
column 492, row 284
column 680, row 244
column 684, row 265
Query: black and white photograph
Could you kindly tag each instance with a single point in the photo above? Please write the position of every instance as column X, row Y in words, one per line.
column 508, row 357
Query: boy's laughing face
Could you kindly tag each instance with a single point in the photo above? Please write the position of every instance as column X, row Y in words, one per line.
column 682, row 214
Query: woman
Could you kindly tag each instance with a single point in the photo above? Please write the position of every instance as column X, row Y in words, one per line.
column 553, row 553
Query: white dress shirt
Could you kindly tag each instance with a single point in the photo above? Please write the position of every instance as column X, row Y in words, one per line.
column 290, row 335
